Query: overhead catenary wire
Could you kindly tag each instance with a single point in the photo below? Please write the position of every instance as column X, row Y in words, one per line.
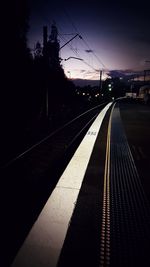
column 94, row 54
column 62, row 37
column 83, row 39
column 77, row 54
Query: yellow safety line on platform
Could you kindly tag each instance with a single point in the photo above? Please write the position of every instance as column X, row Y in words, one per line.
column 105, row 230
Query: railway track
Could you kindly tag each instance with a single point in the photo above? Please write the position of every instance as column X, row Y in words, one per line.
column 28, row 180
column 109, row 227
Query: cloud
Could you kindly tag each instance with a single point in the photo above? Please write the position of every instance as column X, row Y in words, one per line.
column 82, row 71
column 127, row 73
column 87, row 72
column 89, row 51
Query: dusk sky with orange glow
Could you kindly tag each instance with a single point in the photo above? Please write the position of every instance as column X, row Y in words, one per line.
column 116, row 35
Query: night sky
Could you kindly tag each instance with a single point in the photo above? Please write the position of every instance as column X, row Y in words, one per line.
column 116, row 35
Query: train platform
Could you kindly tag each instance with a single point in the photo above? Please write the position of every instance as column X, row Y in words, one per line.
column 99, row 212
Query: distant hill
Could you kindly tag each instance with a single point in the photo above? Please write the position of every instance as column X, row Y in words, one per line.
column 82, row 82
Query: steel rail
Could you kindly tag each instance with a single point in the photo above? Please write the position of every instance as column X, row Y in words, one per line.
column 51, row 135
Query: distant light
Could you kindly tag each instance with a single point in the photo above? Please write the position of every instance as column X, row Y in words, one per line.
column 110, row 89
column 109, row 85
column 113, row 98
column 83, row 94
column 96, row 95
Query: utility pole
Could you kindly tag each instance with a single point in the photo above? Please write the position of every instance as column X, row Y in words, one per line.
column 47, row 106
column 145, row 73
column 100, row 81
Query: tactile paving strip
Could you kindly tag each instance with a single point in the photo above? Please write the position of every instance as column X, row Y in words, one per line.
column 129, row 208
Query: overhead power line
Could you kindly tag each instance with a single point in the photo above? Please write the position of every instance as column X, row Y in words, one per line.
column 70, row 40
column 83, row 39
column 76, row 53
column 91, row 51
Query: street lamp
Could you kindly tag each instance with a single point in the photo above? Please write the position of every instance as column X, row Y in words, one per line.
column 74, row 58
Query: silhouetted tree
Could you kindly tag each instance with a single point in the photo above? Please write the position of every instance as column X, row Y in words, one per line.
column 17, row 69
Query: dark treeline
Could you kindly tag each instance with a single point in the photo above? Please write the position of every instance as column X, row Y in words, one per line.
column 16, row 93
column 36, row 96
column 26, row 82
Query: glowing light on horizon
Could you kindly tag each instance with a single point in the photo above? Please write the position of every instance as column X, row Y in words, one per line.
column 86, row 75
